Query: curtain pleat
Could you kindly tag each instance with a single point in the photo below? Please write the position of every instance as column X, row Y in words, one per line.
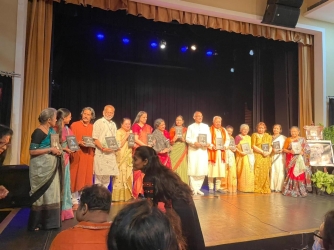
column 36, row 86
column 305, row 54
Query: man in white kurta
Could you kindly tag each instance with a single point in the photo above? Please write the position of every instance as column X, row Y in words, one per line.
column 104, row 159
column 220, row 141
column 197, row 153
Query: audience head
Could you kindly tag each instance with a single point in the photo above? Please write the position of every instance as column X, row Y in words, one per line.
column 145, row 158
column 94, row 200
column 5, row 136
column 87, row 115
column 140, row 226
column 141, row 118
column 48, row 116
column 328, row 231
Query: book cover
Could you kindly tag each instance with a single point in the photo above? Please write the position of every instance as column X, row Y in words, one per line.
column 112, row 142
column 246, row 148
column 219, row 143
column 276, row 145
column 72, row 143
column 89, row 141
column 149, row 140
column 55, row 141
column 131, row 140
column 296, row 147
column 265, row 147
column 178, row 131
column 232, row 143
column 202, row 139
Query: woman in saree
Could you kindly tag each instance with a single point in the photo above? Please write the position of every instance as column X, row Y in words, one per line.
column 261, row 145
column 122, row 183
column 141, row 130
column 277, row 160
column 63, row 119
column 231, row 169
column 162, row 142
column 178, row 155
column 244, row 160
column 298, row 179
column 45, row 175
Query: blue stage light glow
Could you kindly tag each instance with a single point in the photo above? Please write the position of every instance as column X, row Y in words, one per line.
column 154, row 44
column 100, row 36
column 209, row 53
column 126, row 40
column 184, row 49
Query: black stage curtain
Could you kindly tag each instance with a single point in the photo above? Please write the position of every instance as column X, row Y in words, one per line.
column 331, row 112
column 5, row 100
column 134, row 77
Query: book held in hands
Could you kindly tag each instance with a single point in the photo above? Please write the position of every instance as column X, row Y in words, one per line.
column 112, row 143
column 72, row 143
column 246, row 148
column 150, row 140
column 296, row 147
column 202, row 139
column 178, row 131
column 232, row 143
column 89, row 141
column 55, row 141
column 131, row 140
column 276, row 145
column 219, row 143
column 265, row 147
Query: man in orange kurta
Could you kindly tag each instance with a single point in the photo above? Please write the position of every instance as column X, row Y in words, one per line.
column 82, row 160
column 93, row 227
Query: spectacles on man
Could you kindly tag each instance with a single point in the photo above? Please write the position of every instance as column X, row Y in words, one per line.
column 316, row 233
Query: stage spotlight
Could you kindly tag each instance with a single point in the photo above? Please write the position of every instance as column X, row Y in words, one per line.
column 251, row 52
column 154, row 44
column 209, row 53
column 232, row 70
column 100, row 36
column 193, row 47
column 126, row 40
column 163, row 44
column 184, row 48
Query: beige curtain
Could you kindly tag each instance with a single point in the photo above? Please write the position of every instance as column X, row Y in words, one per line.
column 36, row 85
column 306, row 85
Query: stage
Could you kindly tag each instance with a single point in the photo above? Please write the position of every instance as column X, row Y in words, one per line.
column 239, row 221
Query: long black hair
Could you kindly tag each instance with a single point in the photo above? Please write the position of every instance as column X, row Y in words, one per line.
column 61, row 114
column 328, row 237
column 167, row 184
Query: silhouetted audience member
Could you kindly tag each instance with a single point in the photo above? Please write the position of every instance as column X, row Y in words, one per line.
column 5, row 136
column 140, row 225
column 92, row 229
column 324, row 237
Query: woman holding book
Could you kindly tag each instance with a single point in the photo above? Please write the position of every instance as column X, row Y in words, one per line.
column 261, row 145
column 45, row 175
column 161, row 140
column 277, row 160
column 298, row 179
column 178, row 155
column 141, row 129
column 122, row 183
column 244, row 160
column 63, row 119
column 231, row 170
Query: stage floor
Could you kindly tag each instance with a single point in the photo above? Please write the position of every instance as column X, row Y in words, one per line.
column 224, row 219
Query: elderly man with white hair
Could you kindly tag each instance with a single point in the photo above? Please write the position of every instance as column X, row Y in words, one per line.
column 220, row 141
column 197, row 152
